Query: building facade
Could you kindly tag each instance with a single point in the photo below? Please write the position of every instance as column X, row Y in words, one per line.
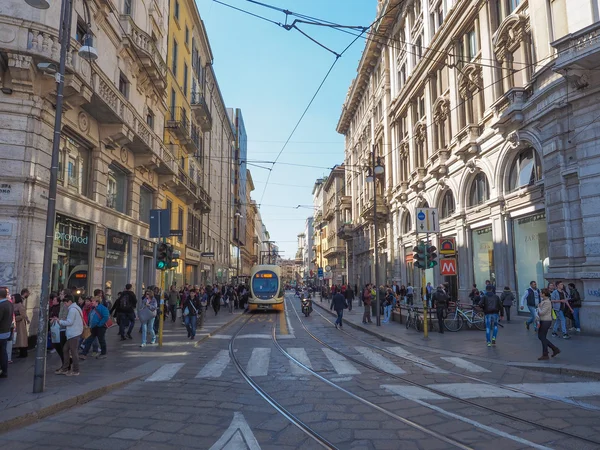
column 484, row 110
column 334, row 252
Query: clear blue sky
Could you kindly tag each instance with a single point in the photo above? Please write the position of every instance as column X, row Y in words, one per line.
column 271, row 74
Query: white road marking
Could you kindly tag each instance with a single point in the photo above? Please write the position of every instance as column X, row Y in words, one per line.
column 216, row 366
column 237, row 437
column 412, row 392
column 165, row 372
column 576, row 389
column 287, row 319
column 464, row 364
column 476, row 390
column 426, row 365
column 379, row 361
column 480, row 425
column 340, row 364
column 258, row 365
column 300, row 355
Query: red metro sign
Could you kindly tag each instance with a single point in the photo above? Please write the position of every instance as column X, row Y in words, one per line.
column 448, row 267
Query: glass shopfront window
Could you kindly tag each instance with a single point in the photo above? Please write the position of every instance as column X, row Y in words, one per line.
column 531, row 251
column 483, row 257
column 70, row 256
column 116, row 264
column 146, row 268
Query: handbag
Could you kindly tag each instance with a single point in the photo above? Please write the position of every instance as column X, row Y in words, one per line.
column 146, row 314
column 86, row 333
column 553, row 314
column 55, row 333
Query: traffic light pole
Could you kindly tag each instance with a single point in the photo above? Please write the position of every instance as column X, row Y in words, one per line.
column 161, row 317
column 424, row 293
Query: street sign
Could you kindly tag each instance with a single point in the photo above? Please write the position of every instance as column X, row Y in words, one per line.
column 320, row 272
column 327, row 268
column 160, row 223
column 176, row 233
column 427, row 220
column 208, row 254
column 448, row 267
column 448, row 246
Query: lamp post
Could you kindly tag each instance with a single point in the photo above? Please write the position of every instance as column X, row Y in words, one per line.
column 237, row 272
column 373, row 171
column 87, row 51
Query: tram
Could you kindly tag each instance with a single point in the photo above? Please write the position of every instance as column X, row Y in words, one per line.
column 266, row 288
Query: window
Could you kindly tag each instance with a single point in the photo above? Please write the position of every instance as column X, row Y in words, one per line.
column 174, row 59
column 77, row 160
column 80, row 31
column 512, row 4
column 145, row 204
column 418, row 50
column 176, row 12
column 173, row 101
column 185, row 79
column 150, row 119
column 194, row 225
column 180, row 223
column 402, row 76
column 123, row 85
column 116, row 189
column 471, row 43
column 479, row 190
column 187, row 36
column 525, row 170
column 127, row 7
column 407, row 225
column 448, row 206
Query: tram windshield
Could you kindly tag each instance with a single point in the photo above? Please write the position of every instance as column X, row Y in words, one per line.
column 265, row 282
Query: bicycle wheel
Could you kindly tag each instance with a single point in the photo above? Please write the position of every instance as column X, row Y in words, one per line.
column 419, row 325
column 453, row 322
column 408, row 321
column 479, row 321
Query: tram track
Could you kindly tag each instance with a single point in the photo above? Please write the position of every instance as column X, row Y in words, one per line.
column 563, row 433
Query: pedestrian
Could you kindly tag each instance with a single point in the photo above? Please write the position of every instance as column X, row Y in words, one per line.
column 125, row 307
column 174, row 298
column 531, row 298
column 98, row 318
column 403, row 294
column 147, row 314
column 489, row 283
column 367, row 299
column 575, row 302
column 428, row 293
column 507, row 298
column 59, row 310
column 74, row 327
column 410, row 293
column 544, row 312
column 21, row 322
column 560, row 303
column 338, row 303
column 388, row 302
column 216, row 301
column 13, row 333
column 6, row 320
column 349, row 294
column 475, row 295
column 491, row 305
column 191, row 309
column 439, row 300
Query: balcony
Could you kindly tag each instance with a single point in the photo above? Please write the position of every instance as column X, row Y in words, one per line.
column 186, row 188
column 346, row 232
column 465, row 144
column 508, row 110
column 346, row 201
column 579, row 50
column 203, row 203
column 201, row 111
column 382, row 210
column 144, row 48
column 332, row 252
column 196, row 141
column 178, row 122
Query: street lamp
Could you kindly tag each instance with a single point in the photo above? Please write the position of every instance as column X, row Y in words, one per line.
column 87, row 51
column 372, row 172
column 237, row 273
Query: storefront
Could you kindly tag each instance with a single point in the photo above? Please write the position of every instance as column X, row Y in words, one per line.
column 192, row 259
column 205, row 275
column 483, row 257
column 71, row 255
column 531, row 251
column 117, row 261
column 146, row 268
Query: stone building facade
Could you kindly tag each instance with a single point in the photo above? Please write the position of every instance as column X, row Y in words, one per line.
column 486, row 110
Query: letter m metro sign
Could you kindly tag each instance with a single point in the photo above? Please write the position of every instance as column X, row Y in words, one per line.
column 447, row 267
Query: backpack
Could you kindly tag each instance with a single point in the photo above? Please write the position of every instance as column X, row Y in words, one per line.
column 124, row 302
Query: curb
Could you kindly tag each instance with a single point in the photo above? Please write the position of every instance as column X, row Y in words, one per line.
column 218, row 330
column 559, row 369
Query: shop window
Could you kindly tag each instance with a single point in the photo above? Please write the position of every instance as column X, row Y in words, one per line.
column 480, row 192
column 116, row 195
column 145, row 204
column 525, row 170
column 448, row 204
column 483, row 256
column 70, row 257
column 116, row 265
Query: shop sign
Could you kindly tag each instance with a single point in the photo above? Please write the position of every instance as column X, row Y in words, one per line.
column 191, row 254
column 5, row 229
column 206, row 267
column 117, row 241
column 146, row 247
column 448, row 246
column 447, row 267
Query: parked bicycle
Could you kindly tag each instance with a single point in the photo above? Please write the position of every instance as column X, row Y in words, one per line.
column 457, row 318
column 413, row 319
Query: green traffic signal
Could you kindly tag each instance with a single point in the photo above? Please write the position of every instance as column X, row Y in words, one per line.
column 161, row 265
column 161, row 256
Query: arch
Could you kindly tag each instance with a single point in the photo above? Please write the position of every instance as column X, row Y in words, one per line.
column 513, row 146
column 406, row 223
column 447, row 203
column 509, row 35
column 462, row 199
column 479, row 190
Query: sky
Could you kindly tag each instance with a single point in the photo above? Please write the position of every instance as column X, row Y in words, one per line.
column 271, row 74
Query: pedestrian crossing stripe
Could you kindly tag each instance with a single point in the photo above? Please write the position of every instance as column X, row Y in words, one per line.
column 464, row 364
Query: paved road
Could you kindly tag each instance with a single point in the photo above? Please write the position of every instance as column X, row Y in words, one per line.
column 348, row 389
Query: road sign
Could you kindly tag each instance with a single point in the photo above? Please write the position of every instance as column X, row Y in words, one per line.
column 448, row 246
column 320, row 272
column 176, row 233
column 448, row 267
column 327, row 268
column 427, row 220
column 160, row 223
column 208, row 254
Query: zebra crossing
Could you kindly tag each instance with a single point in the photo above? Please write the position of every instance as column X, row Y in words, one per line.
column 259, row 363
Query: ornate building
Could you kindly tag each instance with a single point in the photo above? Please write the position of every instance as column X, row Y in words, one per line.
column 484, row 110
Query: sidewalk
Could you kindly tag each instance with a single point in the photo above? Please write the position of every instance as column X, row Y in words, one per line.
column 516, row 346
column 126, row 362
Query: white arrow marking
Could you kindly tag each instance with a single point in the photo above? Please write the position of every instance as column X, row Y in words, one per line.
column 238, row 436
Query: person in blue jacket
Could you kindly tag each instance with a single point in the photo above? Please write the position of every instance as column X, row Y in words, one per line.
column 97, row 322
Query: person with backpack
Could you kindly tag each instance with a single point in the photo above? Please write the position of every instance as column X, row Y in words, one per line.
column 98, row 318
column 191, row 309
column 440, row 300
column 491, row 305
column 507, row 298
column 124, row 308
column 531, row 298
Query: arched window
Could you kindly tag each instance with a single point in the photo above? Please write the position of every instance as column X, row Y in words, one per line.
column 480, row 191
column 448, row 205
column 407, row 224
column 525, row 170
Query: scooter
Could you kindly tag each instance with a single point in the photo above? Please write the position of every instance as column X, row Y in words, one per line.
column 306, row 306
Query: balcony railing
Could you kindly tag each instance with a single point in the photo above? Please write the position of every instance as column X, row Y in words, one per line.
column 203, row 203
column 345, row 232
column 196, row 141
column 186, row 188
column 382, row 209
column 179, row 123
column 201, row 111
column 578, row 50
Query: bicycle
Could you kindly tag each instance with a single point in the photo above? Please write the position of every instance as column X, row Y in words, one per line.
column 413, row 319
column 455, row 320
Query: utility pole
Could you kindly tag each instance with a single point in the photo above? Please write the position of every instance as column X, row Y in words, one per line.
column 378, row 300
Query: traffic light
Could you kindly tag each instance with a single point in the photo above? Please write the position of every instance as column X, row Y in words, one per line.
column 173, row 254
column 161, row 256
column 420, row 255
column 431, row 256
